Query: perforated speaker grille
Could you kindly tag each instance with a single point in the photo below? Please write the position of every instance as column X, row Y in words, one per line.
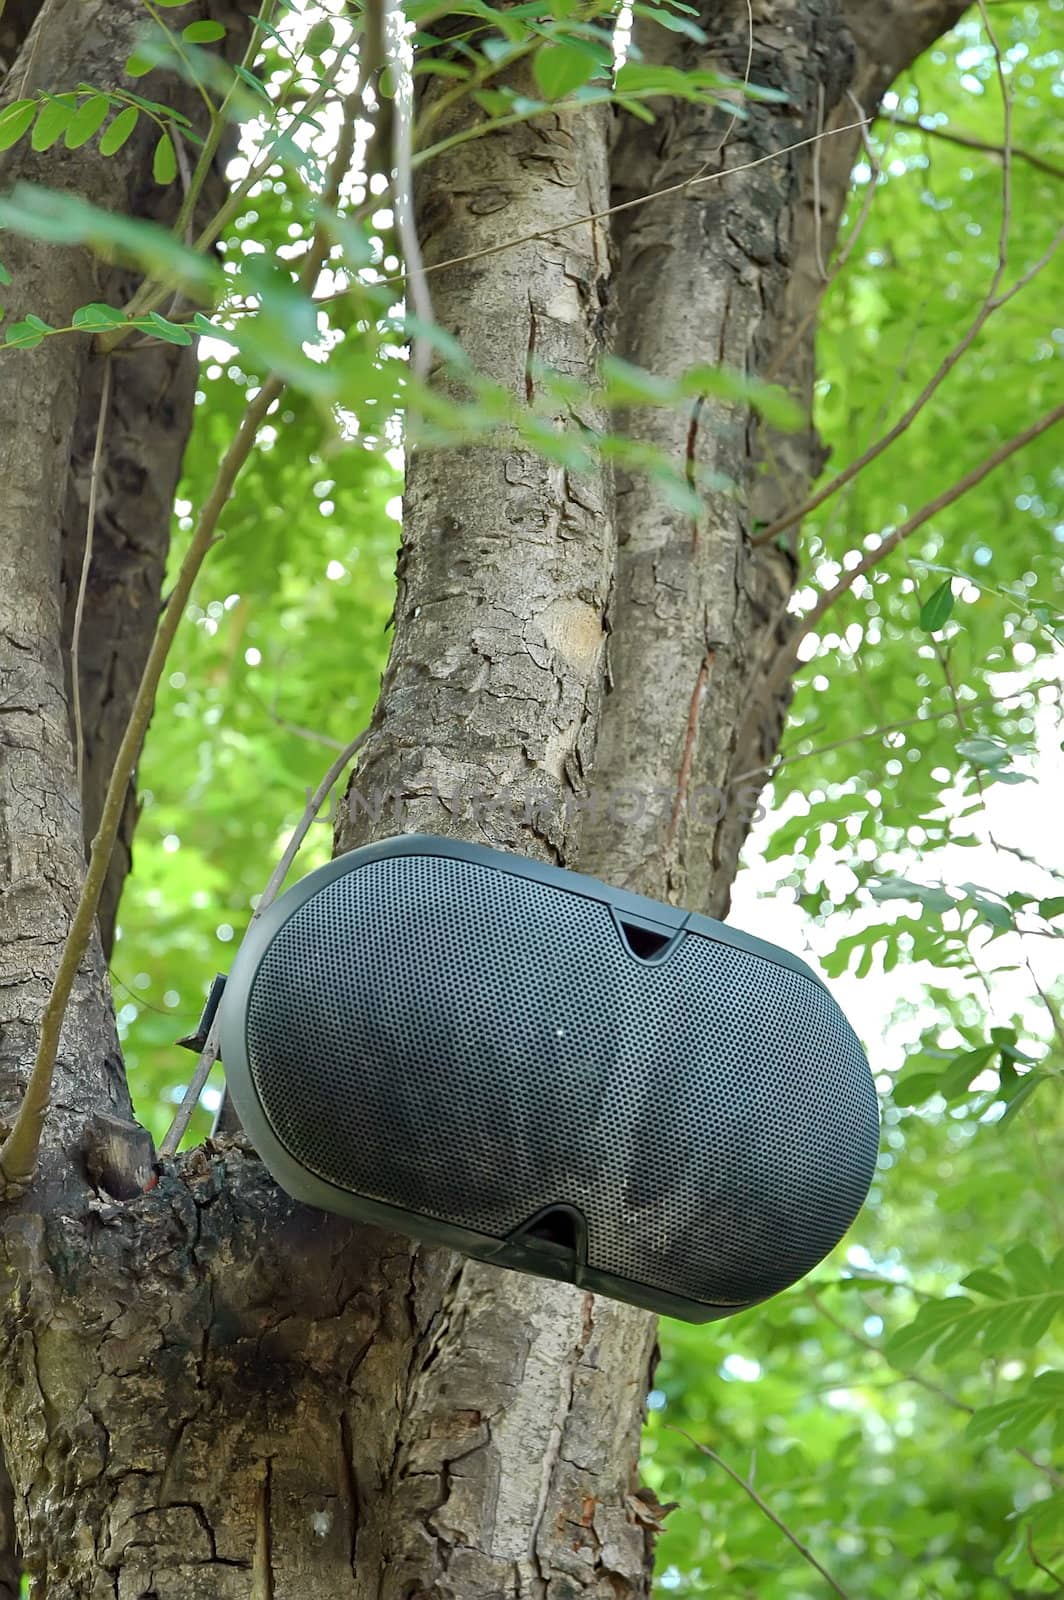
column 475, row 1046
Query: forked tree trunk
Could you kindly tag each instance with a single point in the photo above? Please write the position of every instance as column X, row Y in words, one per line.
column 209, row 1391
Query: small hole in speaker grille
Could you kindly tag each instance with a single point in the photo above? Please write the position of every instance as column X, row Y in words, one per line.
column 554, row 1227
column 475, row 1046
column 643, row 942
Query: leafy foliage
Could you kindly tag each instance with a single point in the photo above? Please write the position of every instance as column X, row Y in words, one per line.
column 902, row 1413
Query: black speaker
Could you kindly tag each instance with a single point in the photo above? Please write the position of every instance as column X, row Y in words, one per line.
column 526, row 1065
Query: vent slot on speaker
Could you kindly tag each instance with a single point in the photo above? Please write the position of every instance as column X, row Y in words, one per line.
column 557, row 1236
column 646, row 943
column 557, row 1227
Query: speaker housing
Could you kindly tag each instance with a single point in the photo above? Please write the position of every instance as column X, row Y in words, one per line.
column 528, row 1066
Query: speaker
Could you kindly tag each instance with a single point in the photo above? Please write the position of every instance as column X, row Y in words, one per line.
column 528, row 1066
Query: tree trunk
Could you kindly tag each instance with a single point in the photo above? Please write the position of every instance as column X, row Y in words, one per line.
column 209, row 1391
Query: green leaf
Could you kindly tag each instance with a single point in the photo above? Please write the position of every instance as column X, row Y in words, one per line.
column 253, row 83
column 909, row 1345
column 118, row 131
column 14, row 120
column 320, row 38
column 67, row 219
column 27, row 334
column 159, row 110
column 983, row 752
column 936, row 611
column 667, row 19
column 958, row 1076
column 440, row 69
column 492, row 101
column 956, row 1325
column 932, row 896
column 52, row 119
column 1007, row 776
column 98, row 318
column 1016, row 1419
column 991, row 911
column 983, row 1281
column 172, row 332
column 1020, row 1093
column 164, row 162
column 203, row 32
column 1030, row 1272
column 86, row 121
column 626, row 384
column 559, row 69
column 5, row 276
column 774, row 403
column 138, row 66
column 353, row 237
column 914, row 1088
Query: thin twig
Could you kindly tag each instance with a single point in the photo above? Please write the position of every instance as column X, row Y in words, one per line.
column 698, row 695
column 993, row 300
column 209, row 1054
column 772, row 767
column 766, row 1510
column 818, row 221
column 312, row 264
column 176, row 44
column 920, row 1381
column 402, row 160
column 255, row 174
column 339, row 166
column 968, row 142
column 1054, row 1014
column 942, row 656
column 83, row 581
column 1036, row 1560
column 312, row 735
column 150, row 296
column 18, row 1154
column 612, row 211
column 783, row 355
column 1006, row 138
column 730, row 129
column 134, row 994
column 783, row 664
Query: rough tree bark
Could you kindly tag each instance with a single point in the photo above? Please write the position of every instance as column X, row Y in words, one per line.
column 208, row 1391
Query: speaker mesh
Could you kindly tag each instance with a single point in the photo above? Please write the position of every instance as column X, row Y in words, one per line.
column 476, row 1046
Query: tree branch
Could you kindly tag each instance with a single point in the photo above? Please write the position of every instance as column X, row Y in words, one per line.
column 18, row 1154
column 209, row 1054
column 83, row 581
column 922, row 1382
column 783, row 355
column 784, row 662
column 763, row 1506
column 312, row 265
column 1036, row 1561
column 625, row 205
column 967, row 141
column 993, row 301
column 402, row 160
column 771, row 768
